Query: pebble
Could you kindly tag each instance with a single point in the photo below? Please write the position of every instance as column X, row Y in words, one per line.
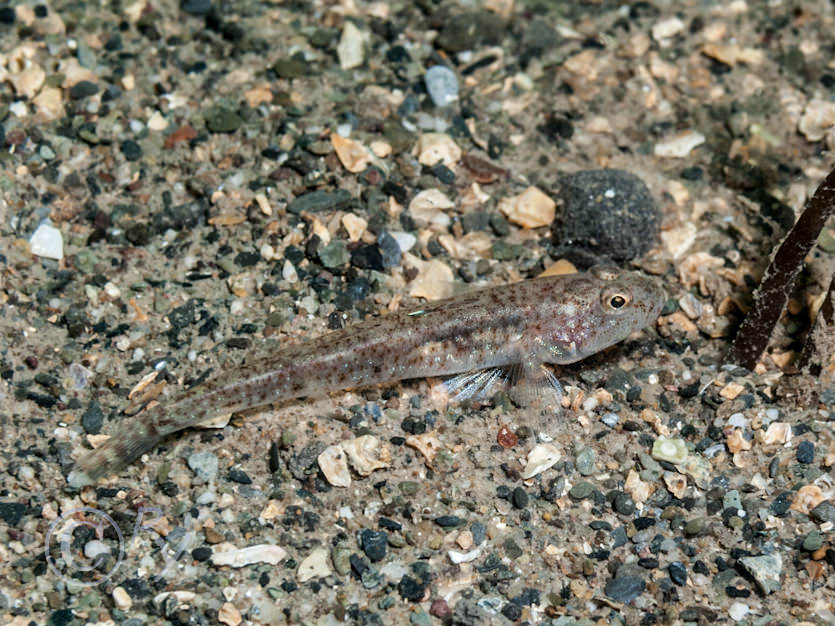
column 204, row 465
column 411, row 589
column 93, row 418
column 625, row 588
column 813, row 541
column 607, row 215
column 519, row 498
column 47, row 242
column 351, row 47
column 442, row 85
column 334, row 254
column 678, row 573
column 471, row 30
column 805, row 452
column 824, row 512
column 623, row 504
column 581, row 490
column 671, row 450
column 817, row 119
column 585, row 461
column 530, row 209
column 765, row 570
column 352, row 154
column 434, row 148
column 220, row 119
column 374, row 543
column 540, row 458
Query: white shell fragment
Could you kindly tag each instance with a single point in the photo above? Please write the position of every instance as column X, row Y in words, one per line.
column 667, row 28
column 47, row 242
column 314, row 566
column 334, row 465
column 530, row 209
column 778, row 432
column 261, row 553
column 350, row 48
column 366, row 455
column 464, row 557
column 680, row 145
column 434, row 148
column 540, row 458
column 427, row 444
column 354, row 156
column 818, row 117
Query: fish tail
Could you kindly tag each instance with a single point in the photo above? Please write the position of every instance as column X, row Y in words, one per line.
column 136, row 436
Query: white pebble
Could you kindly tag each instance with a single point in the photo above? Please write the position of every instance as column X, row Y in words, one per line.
column 47, row 242
column 738, row 611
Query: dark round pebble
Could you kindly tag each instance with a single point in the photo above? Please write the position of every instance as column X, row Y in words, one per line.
column 82, row 89
column 625, row 588
column 780, row 505
column 239, row 476
column 131, row 150
column 202, row 553
column 512, row 611
column 805, row 452
column 678, row 573
column 520, row 498
column 624, row 504
column 607, row 215
column 449, row 521
column 374, row 544
column 824, row 512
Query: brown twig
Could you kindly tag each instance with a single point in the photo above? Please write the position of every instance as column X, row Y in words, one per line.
column 778, row 281
column 820, row 341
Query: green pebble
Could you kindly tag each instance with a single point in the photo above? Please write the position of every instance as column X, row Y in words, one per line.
column 813, row 541
column 694, row 527
column 88, row 136
column 420, row 618
column 334, row 255
column 340, row 556
column 409, row 487
column 291, row 68
column 581, row 490
column 503, row 251
column 512, row 549
column 585, row 461
column 85, row 261
column 220, row 119
column 732, row 500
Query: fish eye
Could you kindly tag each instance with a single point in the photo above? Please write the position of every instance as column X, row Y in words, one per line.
column 615, row 299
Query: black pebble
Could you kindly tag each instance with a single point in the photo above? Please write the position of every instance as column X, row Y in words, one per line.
column 678, row 573
column 625, row 588
column 203, row 553
column 805, row 452
column 449, row 521
column 374, row 544
column 92, row 419
column 780, row 505
column 239, row 476
column 131, row 150
column 520, row 498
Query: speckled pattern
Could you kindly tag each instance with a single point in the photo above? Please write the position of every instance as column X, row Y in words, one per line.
column 554, row 319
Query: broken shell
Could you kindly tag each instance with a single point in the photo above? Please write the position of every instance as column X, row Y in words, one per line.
column 676, row 483
column 261, row 553
column 427, row 444
column 314, row 566
column 434, row 148
column 366, row 454
column 334, row 465
column 540, row 459
column 778, row 432
column 637, row 488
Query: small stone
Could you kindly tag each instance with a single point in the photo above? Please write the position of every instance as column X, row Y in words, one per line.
column 695, row 527
column 204, row 465
column 672, row 450
column 319, row 201
column 471, row 30
column 291, row 67
column 581, row 490
column 778, row 433
column 813, row 541
column 449, row 521
column 93, row 418
column 765, row 570
column 440, row 609
column 824, row 512
column 625, row 588
column 442, row 85
column 585, row 461
column 220, row 119
column 519, row 498
column 805, row 452
column 122, row 599
column 374, row 543
column 623, row 504
column 434, row 280
column 411, row 589
column 334, row 254
column 315, row 565
column 390, row 250
column 47, row 242
column 738, row 610
column 351, row 47
column 83, row 89
column 667, row 28
column 131, row 150
column 678, row 573
column 366, row 454
column 530, row 209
